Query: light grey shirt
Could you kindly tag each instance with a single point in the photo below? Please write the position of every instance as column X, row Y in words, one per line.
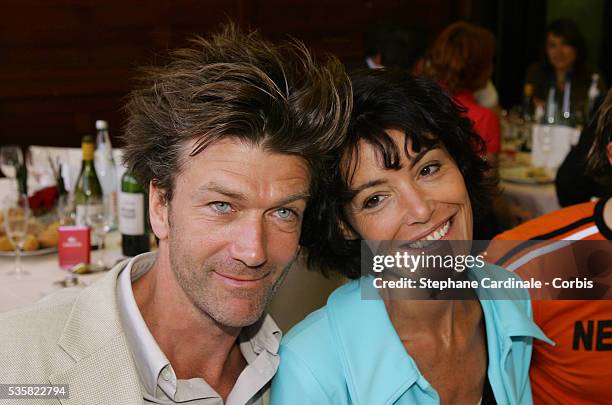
column 258, row 343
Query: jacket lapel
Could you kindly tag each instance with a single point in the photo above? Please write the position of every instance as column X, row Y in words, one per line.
column 103, row 371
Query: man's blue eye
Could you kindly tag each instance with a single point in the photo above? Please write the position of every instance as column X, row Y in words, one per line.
column 285, row 213
column 222, row 207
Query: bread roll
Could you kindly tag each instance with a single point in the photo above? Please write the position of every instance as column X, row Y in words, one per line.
column 48, row 237
column 5, row 244
column 30, row 244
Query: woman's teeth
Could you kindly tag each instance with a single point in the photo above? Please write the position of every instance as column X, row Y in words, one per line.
column 434, row 236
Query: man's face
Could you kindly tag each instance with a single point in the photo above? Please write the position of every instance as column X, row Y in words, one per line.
column 234, row 226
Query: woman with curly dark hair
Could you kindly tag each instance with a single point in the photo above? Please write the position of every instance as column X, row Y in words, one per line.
column 411, row 170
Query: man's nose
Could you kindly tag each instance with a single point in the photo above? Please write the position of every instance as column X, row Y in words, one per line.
column 249, row 244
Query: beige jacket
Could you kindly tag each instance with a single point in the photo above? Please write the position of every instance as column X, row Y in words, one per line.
column 73, row 337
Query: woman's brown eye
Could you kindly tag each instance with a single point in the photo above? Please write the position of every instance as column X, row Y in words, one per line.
column 430, row 169
column 373, row 201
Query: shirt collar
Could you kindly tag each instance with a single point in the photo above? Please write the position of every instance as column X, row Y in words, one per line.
column 371, row 352
column 262, row 335
column 152, row 364
column 148, row 357
column 507, row 313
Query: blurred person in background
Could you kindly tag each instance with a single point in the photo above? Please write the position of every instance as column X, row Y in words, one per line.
column 578, row 370
column 563, row 68
column 573, row 184
column 395, row 46
column 461, row 60
column 487, row 96
column 411, row 170
column 404, row 47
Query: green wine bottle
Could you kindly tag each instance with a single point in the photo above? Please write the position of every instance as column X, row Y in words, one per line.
column 133, row 214
column 88, row 197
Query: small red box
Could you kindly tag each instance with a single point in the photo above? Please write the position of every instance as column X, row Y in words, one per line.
column 73, row 246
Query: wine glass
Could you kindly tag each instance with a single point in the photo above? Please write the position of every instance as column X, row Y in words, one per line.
column 38, row 163
column 65, row 209
column 99, row 219
column 16, row 213
column 11, row 158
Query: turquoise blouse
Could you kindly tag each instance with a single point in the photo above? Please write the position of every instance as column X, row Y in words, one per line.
column 349, row 353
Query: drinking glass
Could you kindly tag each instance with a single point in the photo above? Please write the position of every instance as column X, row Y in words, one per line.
column 65, row 209
column 100, row 221
column 11, row 158
column 16, row 213
column 38, row 163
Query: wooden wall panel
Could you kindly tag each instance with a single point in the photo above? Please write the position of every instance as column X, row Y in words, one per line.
column 66, row 63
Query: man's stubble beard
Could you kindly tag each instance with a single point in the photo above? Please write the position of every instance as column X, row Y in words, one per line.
column 193, row 279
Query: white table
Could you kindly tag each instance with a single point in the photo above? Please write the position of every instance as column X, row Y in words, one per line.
column 44, row 271
column 537, row 199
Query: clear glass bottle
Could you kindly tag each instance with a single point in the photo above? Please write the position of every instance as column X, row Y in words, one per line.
column 88, row 191
column 106, row 168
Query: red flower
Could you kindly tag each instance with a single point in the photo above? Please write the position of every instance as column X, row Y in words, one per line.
column 43, row 200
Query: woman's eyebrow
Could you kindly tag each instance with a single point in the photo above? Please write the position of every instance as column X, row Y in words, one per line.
column 371, row 183
column 419, row 156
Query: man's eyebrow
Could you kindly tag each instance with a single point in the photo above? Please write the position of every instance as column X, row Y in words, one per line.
column 220, row 189
column 236, row 195
column 304, row 195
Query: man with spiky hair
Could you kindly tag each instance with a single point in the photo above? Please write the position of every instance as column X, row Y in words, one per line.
column 230, row 136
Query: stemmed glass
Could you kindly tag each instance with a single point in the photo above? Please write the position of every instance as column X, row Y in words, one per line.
column 99, row 218
column 38, row 163
column 16, row 213
column 11, row 158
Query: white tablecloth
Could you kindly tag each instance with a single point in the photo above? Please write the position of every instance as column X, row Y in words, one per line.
column 44, row 271
column 538, row 199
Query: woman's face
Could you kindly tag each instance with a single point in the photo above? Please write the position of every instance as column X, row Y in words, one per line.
column 425, row 200
column 560, row 54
